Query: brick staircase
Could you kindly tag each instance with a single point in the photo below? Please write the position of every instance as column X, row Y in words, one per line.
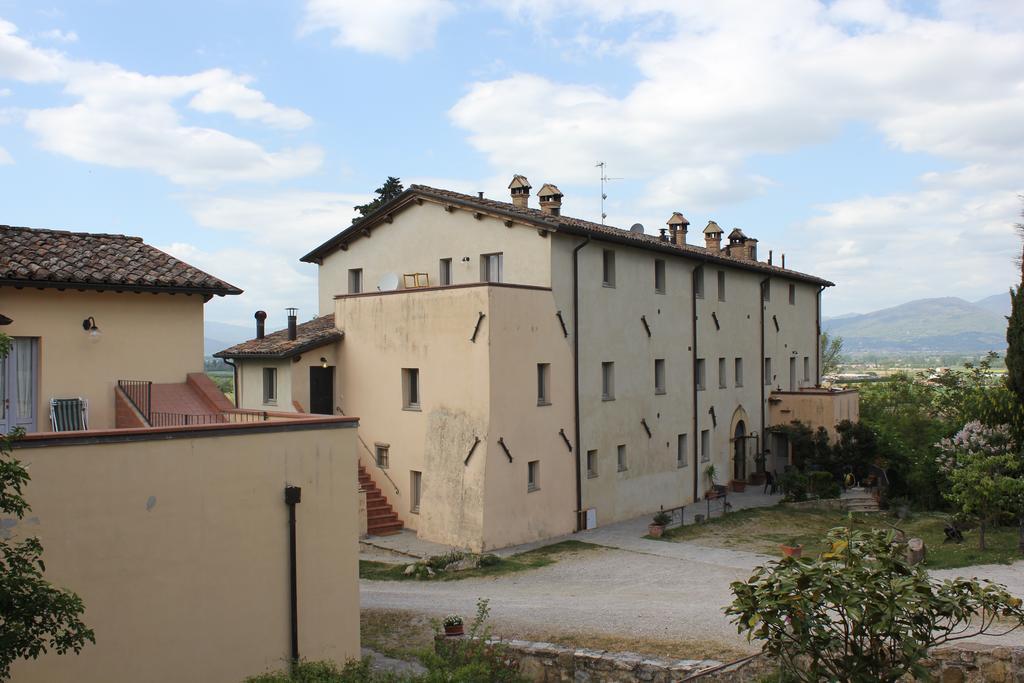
column 381, row 518
column 859, row 500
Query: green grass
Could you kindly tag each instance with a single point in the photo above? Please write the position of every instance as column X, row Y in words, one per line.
column 764, row 529
column 531, row 559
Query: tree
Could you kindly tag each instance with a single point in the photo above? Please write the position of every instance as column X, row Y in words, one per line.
column 391, row 188
column 856, row 448
column 831, row 353
column 35, row 616
column 861, row 613
column 1015, row 333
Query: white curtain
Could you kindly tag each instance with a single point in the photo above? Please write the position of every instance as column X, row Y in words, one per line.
column 23, row 379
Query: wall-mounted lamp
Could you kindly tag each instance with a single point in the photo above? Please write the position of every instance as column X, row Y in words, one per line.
column 465, row 259
column 89, row 325
column 323, row 362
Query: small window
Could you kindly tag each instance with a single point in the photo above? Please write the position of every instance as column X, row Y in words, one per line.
column 681, row 451
column 608, row 268
column 381, row 451
column 698, row 283
column 533, row 475
column 767, row 370
column 270, row 385
column 491, row 267
column 659, row 375
column 415, row 481
column 705, row 445
column 608, row 381
column 721, row 285
column 445, row 272
column 792, row 295
column 411, row 388
column 738, row 373
column 355, row 280
column 700, row 374
column 723, row 374
column 591, row 464
column 807, row 369
column 621, row 457
column 543, row 384
column 792, row 374
column 766, row 290
column 659, row 276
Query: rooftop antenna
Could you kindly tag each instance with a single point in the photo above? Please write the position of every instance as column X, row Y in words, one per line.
column 604, row 180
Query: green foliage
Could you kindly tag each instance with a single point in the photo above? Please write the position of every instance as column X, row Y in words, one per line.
column 861, row 613
column 823, row 485
column 1015, row 335
column 831, row 353
column 855, row 450
column 810, row 448
column 391, row 188
column 357, row 671
column 35, row 616
column 794, row 485
column 473, row 658
column 661, row 518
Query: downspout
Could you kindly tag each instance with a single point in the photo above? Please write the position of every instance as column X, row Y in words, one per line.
column 817, row 340
column 580, row 525
column 696, row 432
column 292, row 497
column 761, row 304
column 234, row 377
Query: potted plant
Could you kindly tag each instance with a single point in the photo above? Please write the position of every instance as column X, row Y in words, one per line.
column 710, row 473
column 453, row 625
column 738, row 485
column 792, row 548
column 657, row 526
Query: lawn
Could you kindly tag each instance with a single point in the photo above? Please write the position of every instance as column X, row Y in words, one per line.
column 532, row 559
column 764, row 529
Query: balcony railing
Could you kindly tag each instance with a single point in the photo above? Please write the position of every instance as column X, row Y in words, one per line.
column 140, row 394
column 165, row 419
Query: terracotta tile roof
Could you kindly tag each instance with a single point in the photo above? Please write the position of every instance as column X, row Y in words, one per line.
column 561, row 223
column 56, row 258
column 316, row 332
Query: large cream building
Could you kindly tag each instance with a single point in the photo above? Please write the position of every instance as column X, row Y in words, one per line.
column 521, row 374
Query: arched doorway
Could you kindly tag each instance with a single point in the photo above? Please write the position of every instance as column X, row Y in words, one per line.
column 739, row 457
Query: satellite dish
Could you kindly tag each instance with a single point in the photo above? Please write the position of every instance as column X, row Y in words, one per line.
column 637, row 227
column 387, row 283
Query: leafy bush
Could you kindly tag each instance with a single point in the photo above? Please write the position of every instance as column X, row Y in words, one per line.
column 473, row 658
column 489, row 560
column 357, row 671
column 794, row 484
column 438, row 562
column 662, row 518
column 823, row 485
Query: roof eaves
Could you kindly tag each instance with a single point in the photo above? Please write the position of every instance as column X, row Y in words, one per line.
column 363, row 223
column 294, row 351
column 118, row 287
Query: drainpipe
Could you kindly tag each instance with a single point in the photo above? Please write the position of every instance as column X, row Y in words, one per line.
column 292, row 497
column 761, row 304
column 817, row 340
column 580, row 524
column 234, row 377
column 696, row 429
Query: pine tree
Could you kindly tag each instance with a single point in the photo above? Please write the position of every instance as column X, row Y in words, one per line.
column 391, row 188
column 1015, row 334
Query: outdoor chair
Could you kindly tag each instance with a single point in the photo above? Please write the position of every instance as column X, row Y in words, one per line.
column 69, row 414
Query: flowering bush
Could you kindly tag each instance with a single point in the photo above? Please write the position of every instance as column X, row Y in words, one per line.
column 974, row 438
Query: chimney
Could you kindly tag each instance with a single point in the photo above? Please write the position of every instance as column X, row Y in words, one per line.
column 520, row 188
column 713, row 237
column 550, row 199
column 769, row 257
column 783, row 260
column 677, row 228
column 261, row 324
column 750, row 248
column 292, row 327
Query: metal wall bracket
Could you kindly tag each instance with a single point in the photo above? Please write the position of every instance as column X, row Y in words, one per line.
column 472, row 449
column 561, row 433
column 477, row 328
column 647, row 429
column 714, row 316
column 504, row 447
column 647, row 327
column 776, row 321
column 561, row 320
column 714, row 419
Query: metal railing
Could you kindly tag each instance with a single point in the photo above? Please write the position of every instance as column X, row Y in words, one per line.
column 140, row 395
column 165, row 419
column 373, row 457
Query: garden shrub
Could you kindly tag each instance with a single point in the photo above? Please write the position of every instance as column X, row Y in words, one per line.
column 794, row 484
column 823, row 485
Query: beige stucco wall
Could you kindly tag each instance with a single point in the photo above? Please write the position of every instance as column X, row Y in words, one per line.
column 815, row 408
column 156, row 337
column 250, row 380
column 179, row 550
column 421, row 236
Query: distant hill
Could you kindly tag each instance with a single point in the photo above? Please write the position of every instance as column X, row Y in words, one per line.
column 997, row 303
column 943, row 325
column 219, row 336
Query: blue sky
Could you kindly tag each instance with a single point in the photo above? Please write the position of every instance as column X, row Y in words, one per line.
column 875, row 143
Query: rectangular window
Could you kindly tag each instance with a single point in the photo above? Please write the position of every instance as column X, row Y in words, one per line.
column 705, row 445
column 608, row 381
column 491, row 267
column 807, row 369
column 766, row 291
column 621, row 457
column 723, row 374
column 659, row 276
column 355, row 280
column 698, row 283
column 681, row 451
column 591, row 464
column 543, row 384
column 659, row 375
column 767, row 370
column 721, row 285
column 270, row 385
column 445, row 274
column 699, row 379
column 533, row 475
column 738, row 372
column 792, row 374
column 382, row 451
column 608, row 268
column 411, row 388
column 415, row 480
column 792, row 295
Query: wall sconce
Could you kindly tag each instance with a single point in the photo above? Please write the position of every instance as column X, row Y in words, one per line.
column 323, row 362
column 89, row 325
column 465, row 259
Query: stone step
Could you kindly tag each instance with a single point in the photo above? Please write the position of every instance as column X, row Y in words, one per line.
column 385, row 529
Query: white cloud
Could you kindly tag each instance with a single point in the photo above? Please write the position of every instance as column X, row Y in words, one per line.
column 59, row 36
column 132, row 120
column 394, row 28
column 5, row 92
column 5, row 157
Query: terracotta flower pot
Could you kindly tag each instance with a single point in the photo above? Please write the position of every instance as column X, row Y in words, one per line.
column 792, row 550
column 739, row 486
column 456, row 630
column 655, row 530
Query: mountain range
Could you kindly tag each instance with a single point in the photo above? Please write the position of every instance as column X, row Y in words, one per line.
column 219, row 336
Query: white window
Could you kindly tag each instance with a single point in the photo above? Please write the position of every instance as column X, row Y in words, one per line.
column 698, row 283
column 659, row 375
column 681, row 451
column 491, row 267
column 608, row 381
column 721, row 285
column 270, row 385
column 410, row 388
column 621, row 457
column 659, row 276
column 722, row 374
column 792, row 295
column 767, row 370
column 543, row 384
column 608, row 268
column 533, row 475
column 591, row 464
column 807, row 369
column 355, row 280
column 382, row 452
column 415, row 481
column 445, row 272
column 699, row 379
column 739, row 372
column 705, row 445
